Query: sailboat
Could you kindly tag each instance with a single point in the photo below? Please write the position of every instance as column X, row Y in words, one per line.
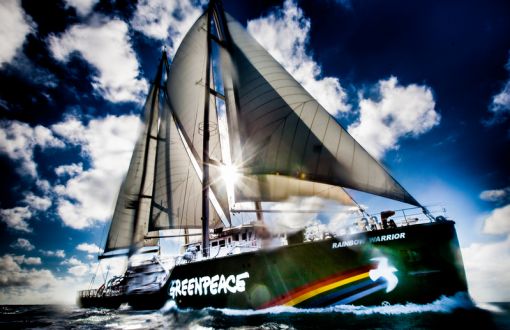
column 282, row 144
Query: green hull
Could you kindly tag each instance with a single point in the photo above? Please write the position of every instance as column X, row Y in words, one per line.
column 416, row 263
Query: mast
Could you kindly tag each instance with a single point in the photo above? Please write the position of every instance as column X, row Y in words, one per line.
column 141, row 195
column 205, row 150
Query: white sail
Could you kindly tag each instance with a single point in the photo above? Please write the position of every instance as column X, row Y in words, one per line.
column 283, row 130
column 275, row 188
column 186, row 87
column 131, row 216
column 178, row 188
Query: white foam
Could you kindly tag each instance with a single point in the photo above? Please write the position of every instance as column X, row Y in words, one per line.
column 169, row 305
column 442, row 305
column 490, row 307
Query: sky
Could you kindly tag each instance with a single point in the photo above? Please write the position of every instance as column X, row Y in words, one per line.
column 423, row 86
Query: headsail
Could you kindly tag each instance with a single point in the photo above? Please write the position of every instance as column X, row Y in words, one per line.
column 178, row 188
column 185, row 85
column 283, row 130
column 131, row 216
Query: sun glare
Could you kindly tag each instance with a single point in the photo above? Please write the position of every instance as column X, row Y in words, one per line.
column 230, row 174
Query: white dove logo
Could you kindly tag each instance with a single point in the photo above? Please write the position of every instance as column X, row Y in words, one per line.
column 385, row 271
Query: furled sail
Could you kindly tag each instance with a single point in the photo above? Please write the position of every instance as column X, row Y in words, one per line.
column 283, row 130
column 178, row 189
column 186, row 87
column 131, row 216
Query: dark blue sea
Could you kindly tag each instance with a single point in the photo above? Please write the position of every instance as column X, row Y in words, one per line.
column 454, row 312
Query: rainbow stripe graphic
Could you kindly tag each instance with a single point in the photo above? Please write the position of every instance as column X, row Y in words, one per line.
column 337, row 289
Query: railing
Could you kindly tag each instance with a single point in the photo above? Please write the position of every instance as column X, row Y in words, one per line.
column 98, row 293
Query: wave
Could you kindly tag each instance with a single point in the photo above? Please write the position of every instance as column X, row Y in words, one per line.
column 444, row 304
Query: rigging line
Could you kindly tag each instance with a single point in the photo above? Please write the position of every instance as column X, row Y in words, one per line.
column 158, row 144
column 173, row 236
column 155, row 96
column 284, row 211
column 362, row 210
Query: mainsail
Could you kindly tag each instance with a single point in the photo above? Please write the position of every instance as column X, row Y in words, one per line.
column 283, row 130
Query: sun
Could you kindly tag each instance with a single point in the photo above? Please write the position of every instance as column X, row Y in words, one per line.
column 230, row 174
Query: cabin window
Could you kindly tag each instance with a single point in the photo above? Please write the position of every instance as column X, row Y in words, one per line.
column 244, row 236
column 236, row 237
column 214, row 244
column 222, row 243
column 197, row 247
column 249, row 235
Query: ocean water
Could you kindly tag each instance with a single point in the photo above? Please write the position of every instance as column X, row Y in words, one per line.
column 448, row 312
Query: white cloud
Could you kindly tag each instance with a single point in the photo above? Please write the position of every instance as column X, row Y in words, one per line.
column 90, row 248
column 293, row 221
column 488, row 264
column 83, row 7
column 16, row 217
column 166, row 20
column 23, row 244
column 500, row 104
column 498, row 221
column 341, row 222
column 89, row 196
column 36, row 202
column 107, row 47
column 495, row 195
column 71, row 170
column 27, row 261
column 12, row 275
column 18, row 141
column 284, row 34
column 78, row 268
column 14, row 27
column 399, row 111
column 487, row 267
column 36, row 286
column 56, row 253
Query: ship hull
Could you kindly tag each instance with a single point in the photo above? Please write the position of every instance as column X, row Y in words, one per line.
column 416, row 263
column 112, row 302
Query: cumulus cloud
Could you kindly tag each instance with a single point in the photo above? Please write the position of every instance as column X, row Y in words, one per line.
column 18, row 141
column 498, row 221
column 14, row 28
column 284, row 34
column 166, row 20
column 16, row 217
column 90, row 248
column 83, row 7
column 88, row 197
column 488, row 264
column 56, row 253
column 12, row 275
column 399, row 111
column 495, row 195
column 76, row 267
column 70, row 170
column 107, row 47
column 23, row 244
column 487, row 267
column 36, row 202
column 500, row 105
column 27, row 261
column 341, row 222
column 293, row 221
column 35, row 286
